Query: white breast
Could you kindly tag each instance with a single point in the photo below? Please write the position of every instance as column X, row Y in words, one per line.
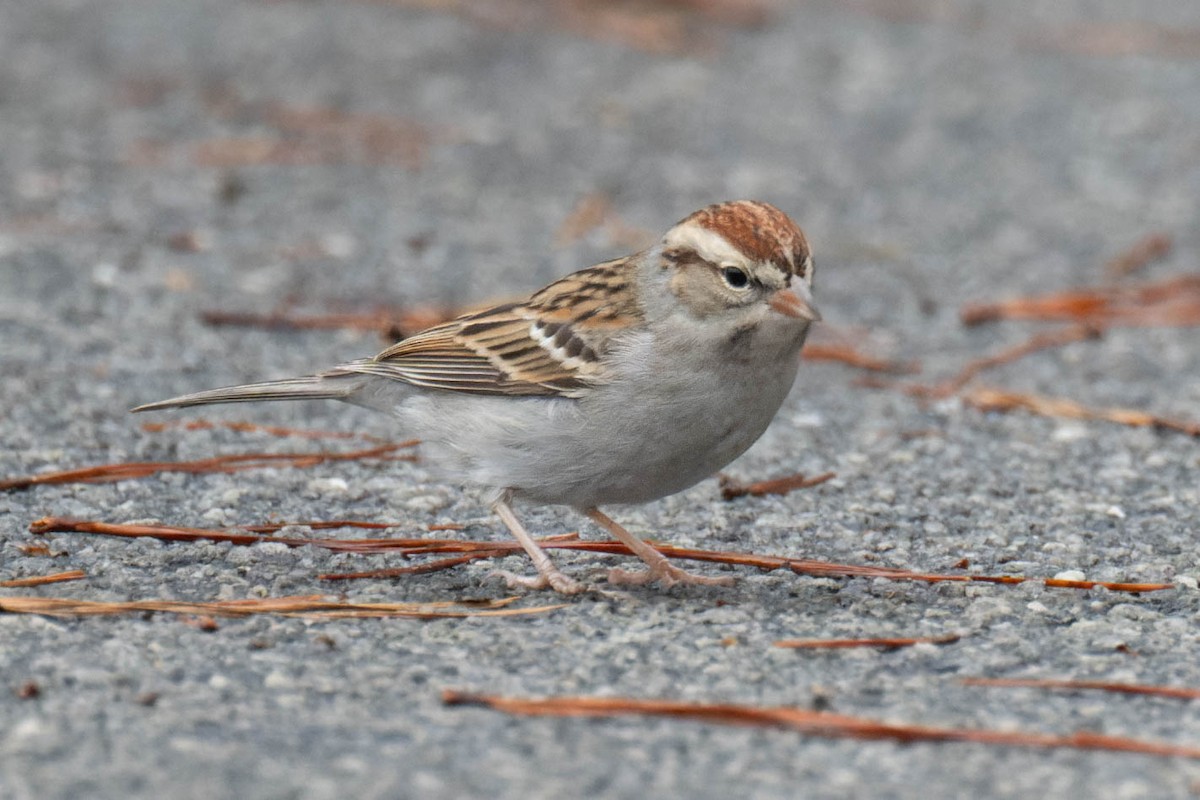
column 666, row 423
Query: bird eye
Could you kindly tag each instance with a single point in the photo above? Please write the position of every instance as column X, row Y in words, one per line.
column 735, row 278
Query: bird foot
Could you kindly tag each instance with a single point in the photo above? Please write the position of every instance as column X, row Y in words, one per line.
column 666, row 574
column 555, row 580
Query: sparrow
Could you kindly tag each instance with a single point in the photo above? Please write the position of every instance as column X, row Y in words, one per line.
column 622, row 383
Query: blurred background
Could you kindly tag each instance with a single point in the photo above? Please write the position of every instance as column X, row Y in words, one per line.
column 402, row 151
column 165, row 164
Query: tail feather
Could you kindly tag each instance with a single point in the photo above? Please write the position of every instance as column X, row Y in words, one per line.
column 312, row 387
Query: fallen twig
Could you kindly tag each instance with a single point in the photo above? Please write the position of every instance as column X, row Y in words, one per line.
column 589, row 213
column 1178, row 692
column 814, row 723
column 39, row 550
column 413, row 547
column 396, row 323
column 1171, row 302
column 109, row 473
column 989, row 399
column 845, row 354
column 1121, row 38
column 172, row 533
column 1042, row 341
column 319, row 525
column 250, row 427
column 992, row 399
column 1150, row 248
column 424, row 568
column 300, row 606
column 437, row 565
column 732, row 489
column 296, row 135
column 656, row 26
column 42, row 580
column 887, row 644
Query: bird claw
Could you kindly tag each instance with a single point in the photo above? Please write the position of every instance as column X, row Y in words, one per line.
column 666, row 574
column 555, row 580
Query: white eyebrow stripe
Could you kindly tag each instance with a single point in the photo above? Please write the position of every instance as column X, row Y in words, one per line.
column 709, row 245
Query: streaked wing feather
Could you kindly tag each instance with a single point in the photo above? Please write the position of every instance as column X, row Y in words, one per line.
column 549, row 346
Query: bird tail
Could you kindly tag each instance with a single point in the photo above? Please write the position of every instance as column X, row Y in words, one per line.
column 311, row 387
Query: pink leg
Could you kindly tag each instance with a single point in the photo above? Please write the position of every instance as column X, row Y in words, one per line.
column 659, row 569
column 548, row 574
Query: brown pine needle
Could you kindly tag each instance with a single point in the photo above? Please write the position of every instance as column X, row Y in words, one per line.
column 396, row 322
column 1150, row 248
column 1042, row 341
column 415, row 547
column 732, row 489
column 297, row 135
column 177, row 534
column 1178, row 692
column 589, row 213
column 992, row 399
column 39, row 550
column 989, row 399
column 324, row 525
column 681, row 27
column 288, row 321
column 887, row 644
column 437, row 565
column 813, row 723
column 1172, row 302
column 1121, row 38
column 845, row 354
column 250, row 427
column 109, row 473
column 300, row 606
column 42, row 580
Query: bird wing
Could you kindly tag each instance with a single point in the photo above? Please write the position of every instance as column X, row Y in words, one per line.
column 550, row 345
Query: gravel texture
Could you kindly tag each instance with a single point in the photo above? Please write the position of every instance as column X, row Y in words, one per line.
column 935, row 152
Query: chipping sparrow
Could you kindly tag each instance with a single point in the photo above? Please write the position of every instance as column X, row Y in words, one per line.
column 622, row 383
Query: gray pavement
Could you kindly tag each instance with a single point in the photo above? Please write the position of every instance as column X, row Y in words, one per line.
column 348, row 155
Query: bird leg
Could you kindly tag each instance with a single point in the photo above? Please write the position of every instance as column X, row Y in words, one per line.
column 659, row 569
column 548, row 574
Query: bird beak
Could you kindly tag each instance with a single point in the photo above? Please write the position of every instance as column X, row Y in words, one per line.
column 797, row 305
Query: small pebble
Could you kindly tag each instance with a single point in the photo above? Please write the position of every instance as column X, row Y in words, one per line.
column 1070, row 575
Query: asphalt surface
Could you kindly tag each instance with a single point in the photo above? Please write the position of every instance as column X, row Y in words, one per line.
column 159, row 159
